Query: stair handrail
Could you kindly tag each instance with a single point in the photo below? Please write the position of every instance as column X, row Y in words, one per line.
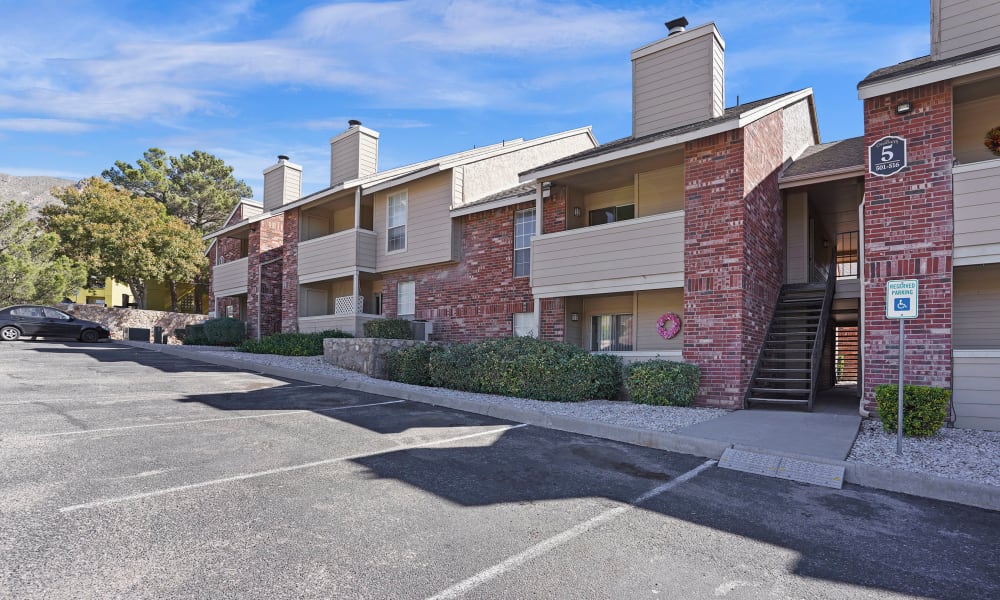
column 824, row 318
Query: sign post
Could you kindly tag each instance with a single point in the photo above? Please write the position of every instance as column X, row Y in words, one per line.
column 901, row 304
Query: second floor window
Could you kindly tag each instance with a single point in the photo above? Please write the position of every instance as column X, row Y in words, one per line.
column 396, row 222
column 524, row 228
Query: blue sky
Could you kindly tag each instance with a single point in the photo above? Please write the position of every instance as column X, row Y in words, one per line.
column 83, row 84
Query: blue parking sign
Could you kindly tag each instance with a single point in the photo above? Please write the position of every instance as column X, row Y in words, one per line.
column 901, row 299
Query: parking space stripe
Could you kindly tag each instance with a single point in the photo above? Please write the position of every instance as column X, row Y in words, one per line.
column 555, row 541
column 194, row 421
column 279, row 470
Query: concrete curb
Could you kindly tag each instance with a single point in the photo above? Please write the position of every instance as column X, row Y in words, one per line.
column 862, row 474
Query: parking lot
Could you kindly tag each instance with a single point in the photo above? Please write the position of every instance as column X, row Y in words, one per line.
column 127, row 473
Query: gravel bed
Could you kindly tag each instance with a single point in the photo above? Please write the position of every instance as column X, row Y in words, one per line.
column 965, row 454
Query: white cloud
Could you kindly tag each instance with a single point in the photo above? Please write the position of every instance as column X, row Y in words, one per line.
column 45, row 125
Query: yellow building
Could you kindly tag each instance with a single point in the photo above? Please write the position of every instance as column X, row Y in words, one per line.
column 116, row 294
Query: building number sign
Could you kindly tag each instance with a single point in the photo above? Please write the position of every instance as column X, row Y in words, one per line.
column 887, row 156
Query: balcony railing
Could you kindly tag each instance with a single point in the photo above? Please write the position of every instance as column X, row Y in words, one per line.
column 325, row 257
column 230, row 279
column 643, row 253
column 977, row 212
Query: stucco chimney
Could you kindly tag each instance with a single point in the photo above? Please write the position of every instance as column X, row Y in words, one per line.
column 679, row 79
column 353, row 153
column 282, row 183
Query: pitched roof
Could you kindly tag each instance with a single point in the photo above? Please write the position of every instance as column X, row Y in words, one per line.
column 732, row 113
column 832, row 156
column 923, row 63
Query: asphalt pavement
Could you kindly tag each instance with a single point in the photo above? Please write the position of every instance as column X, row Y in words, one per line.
column 129, row 473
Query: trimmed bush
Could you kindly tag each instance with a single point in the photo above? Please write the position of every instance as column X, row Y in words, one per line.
column 224, row 331
column 195, row 336
column 924, row 408
column 662, row 382
column 389, row 329
column 292, row 344
column 526, row 368
column 411, row 365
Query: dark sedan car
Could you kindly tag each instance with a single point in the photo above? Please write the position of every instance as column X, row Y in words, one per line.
column 42, row 321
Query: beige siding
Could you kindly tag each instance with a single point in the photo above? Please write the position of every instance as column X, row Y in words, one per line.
column 962, row 26
column 660, row 191
column 352, row 324
column 650, row 306
column 617, row 197
column 574, row 329
column 646, row 253
column 976, row 393
column 497, row 173
column 230, row 279
column 367, row 155
column 344, row 158
column 676, row 86
column 274, row 187
column 977, row 213
column 971, row 120
column 976, row 310
column 797, row 238
column 429, row 235
column 324, row 256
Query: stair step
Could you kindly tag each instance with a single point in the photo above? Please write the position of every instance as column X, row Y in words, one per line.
column 778, row 400
column 784, row 370
column 799, row 350
column 783, row 379
column 783, row 391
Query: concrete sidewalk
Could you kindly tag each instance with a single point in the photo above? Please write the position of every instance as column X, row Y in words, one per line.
column 741, row 429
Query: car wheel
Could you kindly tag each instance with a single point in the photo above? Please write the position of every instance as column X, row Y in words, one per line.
column 90, row 336
column 9, row 333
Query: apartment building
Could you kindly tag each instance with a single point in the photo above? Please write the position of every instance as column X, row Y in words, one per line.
column 444, row 241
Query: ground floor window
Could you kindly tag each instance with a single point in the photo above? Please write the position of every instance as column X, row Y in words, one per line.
column 405, row 298
column 611, row 333
column 524, row 325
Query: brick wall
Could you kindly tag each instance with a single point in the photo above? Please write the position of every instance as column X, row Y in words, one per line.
column 290, row 274
column 733, row 254
column 908, row 235
column 264, row 311
column 476, row 297
column 553, row 310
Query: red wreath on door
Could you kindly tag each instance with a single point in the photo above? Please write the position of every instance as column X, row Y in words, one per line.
column 668, row 325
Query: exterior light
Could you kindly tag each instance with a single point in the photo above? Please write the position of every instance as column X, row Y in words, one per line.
column 574, row 316
column 904, row 107
column 576, row 211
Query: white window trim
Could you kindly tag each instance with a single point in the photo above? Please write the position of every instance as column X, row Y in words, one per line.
column 528, row 247
column 413, row 298
column 530, row 317
column 406, row 221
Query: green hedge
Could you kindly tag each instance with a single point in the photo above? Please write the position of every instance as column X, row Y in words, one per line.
column 292, row 344
column 225, row 331
column 518, row 366
column 390, row 329
column 924, row 408
column 195, row 336
column 662, row 382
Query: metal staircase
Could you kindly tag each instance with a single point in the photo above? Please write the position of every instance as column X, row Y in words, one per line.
column 788, row 367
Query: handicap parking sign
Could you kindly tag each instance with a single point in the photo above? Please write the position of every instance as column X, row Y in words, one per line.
column 901, row 299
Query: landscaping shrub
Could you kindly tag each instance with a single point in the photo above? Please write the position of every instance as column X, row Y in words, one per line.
column 662, row 382
column 292, row 344
column 390, row 329
column 924, row 408
column 224, row 331
column 527, row 368
column 195, row 336
column 411, row 365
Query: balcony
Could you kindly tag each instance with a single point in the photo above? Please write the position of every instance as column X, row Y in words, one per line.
column 636, row 254
column 230, row 279
column 977, row 212
column 330, row 256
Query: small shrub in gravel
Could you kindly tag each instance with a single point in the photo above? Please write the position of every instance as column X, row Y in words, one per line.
column 390, row 329
column 292, row 344
column 195, row 336
column 224, row 331
column 411, row 365
column 662, row 382
column 525, row 367
column 924, row 408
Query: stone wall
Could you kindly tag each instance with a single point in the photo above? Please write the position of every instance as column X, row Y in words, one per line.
column 364, row 355
column 909, row 235
column 118, row 319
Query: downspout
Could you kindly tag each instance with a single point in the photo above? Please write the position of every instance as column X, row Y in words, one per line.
column 861, row 326
column 539, row 225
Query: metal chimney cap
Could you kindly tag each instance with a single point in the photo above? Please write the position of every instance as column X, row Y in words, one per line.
column 282, row 157
column 353, row 122
column 677, row 25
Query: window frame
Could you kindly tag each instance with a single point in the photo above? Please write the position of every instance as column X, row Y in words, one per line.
column 616, row 322
column 412, row 286
column 513, row 324
column 526, row 249
column 616, row 208
column 405, row 197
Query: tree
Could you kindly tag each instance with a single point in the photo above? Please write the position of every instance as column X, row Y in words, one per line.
column 30, row 271
column 129, row 238
column 198, row 188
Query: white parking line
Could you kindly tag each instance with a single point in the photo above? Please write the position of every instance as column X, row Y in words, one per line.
column 264, row 416
column 309, row 465
column 555, row 541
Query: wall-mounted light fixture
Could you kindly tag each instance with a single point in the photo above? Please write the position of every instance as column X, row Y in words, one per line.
column 576, row 211
column 904, row 107
column 574, row 316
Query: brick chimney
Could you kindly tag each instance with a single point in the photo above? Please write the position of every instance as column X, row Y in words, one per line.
column 353, row 153
column 282, row 183
column 679, row 79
